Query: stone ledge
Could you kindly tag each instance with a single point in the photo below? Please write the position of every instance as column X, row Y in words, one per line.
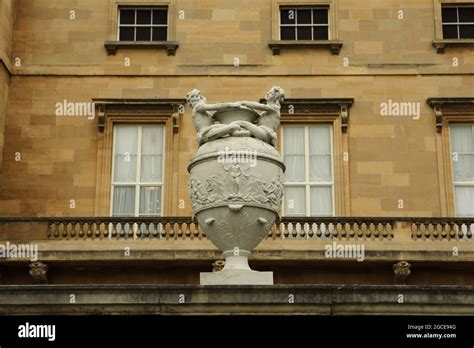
column 113, row 46
column 333, row 45
column 218, row 300
column 440, row 45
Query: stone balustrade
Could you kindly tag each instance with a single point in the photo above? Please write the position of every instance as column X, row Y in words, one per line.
column 185, row 228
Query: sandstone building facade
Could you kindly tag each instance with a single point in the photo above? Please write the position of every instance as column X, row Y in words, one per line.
column 377, row 132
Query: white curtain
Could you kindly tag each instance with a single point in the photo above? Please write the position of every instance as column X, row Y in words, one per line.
column 152, row 154
column 124, row 201
column 293, row 149
column 320, row 153
column 125, row 153
column 462, row 143
column 321, row 200
column 464, row 201
column 295, row 203
column 150, row 200
column 462, row 140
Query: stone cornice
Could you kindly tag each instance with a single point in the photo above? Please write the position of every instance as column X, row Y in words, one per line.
column 318, row 107
column 122, row 106
column 459, row 106
column 308, row 299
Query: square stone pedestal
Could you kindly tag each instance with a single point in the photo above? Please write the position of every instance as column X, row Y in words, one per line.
column 237, row 277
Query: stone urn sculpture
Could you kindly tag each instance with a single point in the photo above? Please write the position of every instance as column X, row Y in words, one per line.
column 236, row 180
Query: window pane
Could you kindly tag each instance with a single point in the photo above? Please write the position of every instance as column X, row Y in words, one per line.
column 160, row 34
column 463, row 168
column 150, row 200
column 462, row 138
column 288, row 33
column 125, row 154
column 295, row 200
column 160, row 17
column 462, row 144
column 288, row 16
column 143, row 34
column 319, row 139
column 293, row 148
column 466, row 32
column 320, row 16
column 321, row 200
column 464, row 201
column 320, row 33
column 127, row 34
column 152, row 154
column 143, row 16
column 450, row 32
column 466, row 14
column 320, row 166
column 303, row 16
column 304, row 33
column 449, row 15
column 127, row 16
column 124, row 201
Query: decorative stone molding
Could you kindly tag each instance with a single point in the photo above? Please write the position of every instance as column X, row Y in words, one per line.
column 440, row 45
column 218, row 265
column 113, row 46
column 224, row 300
column 139, row 107
column 401, row 271
column 451, row 107
column 333, row 45
column 38, row 271
column 314, row 107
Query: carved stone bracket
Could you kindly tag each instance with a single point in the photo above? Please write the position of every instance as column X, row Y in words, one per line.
column 39, row 272
column 315, row 107
column 450, row 106
column 401, row 271
column 139, row 108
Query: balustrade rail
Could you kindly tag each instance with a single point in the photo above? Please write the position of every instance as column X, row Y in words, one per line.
column 183, row 228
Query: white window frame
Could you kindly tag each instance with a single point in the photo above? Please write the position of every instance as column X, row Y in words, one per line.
column 137, row 183
column 296, row 25
column 151, row 26
column 457, row 23
column 459, row 183
column 308, row 184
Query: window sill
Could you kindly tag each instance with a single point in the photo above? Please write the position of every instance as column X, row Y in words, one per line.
column 333, row 45
column 113, row 46
column 441, row 45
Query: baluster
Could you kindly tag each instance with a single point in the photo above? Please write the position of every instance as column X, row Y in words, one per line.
column 298, row 230
column 316, row 231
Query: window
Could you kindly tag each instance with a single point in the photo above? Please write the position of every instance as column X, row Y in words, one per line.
column 137, row 170
column 462, row 145
column 309, row 185
column 458, row 22
column 143, row 24
column 304, row 23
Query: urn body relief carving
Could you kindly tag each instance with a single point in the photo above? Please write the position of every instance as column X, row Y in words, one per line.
column 236, row 180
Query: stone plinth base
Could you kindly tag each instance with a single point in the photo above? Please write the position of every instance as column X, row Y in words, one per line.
column 237, row 277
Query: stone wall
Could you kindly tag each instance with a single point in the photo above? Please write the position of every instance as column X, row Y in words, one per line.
column 7, row 9
column 390, row 158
